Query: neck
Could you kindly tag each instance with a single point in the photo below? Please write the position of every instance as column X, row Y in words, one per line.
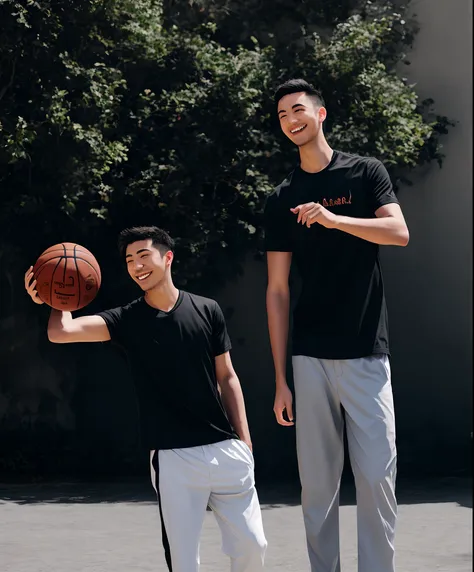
column 315, row 155
column 162, row 297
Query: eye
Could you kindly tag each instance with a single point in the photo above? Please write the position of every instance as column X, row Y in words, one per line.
column 144, row 256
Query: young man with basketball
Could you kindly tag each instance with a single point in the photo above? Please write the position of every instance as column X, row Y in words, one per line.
column 330, row 215
column 199, row 440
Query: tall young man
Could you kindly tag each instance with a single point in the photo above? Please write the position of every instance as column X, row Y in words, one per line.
column 198, row 437
column 330, row 215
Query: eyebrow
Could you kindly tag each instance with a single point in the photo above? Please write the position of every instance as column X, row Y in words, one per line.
column 293, row 107
column 138, row 252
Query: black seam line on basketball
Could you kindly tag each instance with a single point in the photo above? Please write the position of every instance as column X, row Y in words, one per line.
column 56, row 256
column 65, row 263
column 64, row 271
column 87, row 262
column 48, row 251
column 52, row 280
column 78, row 281
column 65, row 255
column 38, row 270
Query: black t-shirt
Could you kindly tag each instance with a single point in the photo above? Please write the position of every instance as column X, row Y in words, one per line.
column 172, row 359
column 341, row 312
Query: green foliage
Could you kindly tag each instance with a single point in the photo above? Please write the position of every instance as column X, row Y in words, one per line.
column 123, row 112
column 372, row 110
column 112, row 117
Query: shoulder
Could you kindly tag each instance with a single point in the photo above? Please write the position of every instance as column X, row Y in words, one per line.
column 276, row 203
column 362, row 167
column 128, row 310
column 207, row 308
column 282, row 189
column 201, row 302
column 134, row 307
column 354, row 160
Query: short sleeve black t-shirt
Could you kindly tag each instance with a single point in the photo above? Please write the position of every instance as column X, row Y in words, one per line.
column 341, row 312
column 172, row 359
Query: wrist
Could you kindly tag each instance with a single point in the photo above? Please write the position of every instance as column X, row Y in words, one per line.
column 338, row 221
column 280, row 381
column 245, row 437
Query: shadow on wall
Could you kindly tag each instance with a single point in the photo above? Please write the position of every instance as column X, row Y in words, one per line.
column 432, row 440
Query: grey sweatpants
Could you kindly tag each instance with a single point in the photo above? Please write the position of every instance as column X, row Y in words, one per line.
column 220, row 475
column 361, row 387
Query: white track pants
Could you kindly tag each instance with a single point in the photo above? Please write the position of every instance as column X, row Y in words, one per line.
column 220, row 475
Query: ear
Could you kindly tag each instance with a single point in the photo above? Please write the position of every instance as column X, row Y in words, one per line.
column 322, row 114
column 169, row 258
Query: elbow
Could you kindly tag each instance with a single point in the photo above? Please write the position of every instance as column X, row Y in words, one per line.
column 399, row 236
column 403, row 238
column 280, row 292
column 227, row 381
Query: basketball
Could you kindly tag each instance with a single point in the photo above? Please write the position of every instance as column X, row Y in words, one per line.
column 68, row 276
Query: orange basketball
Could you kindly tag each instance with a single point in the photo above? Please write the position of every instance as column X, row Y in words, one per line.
column 68, row 276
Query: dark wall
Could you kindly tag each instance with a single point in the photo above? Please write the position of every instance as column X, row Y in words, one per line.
column 72, row 409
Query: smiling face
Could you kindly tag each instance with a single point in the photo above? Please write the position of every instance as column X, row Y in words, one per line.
column 301, row 119
column 147, row 265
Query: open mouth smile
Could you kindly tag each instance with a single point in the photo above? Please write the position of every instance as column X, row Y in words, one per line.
column 143, row 276
column 297, row 130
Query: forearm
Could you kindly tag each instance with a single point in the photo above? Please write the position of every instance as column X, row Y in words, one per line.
column 384, row 230
column 233, row 401
column 278, row 310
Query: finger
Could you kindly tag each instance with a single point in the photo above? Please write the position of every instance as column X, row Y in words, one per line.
column 289, row 411
column 303, row 210
column 28, row 275
column 311, row 220
column 280, row 419
column 30, row 278
column 309, row 214
column 297, row 211
column 304, row 217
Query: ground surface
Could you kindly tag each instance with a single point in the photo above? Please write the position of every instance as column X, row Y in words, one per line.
column 115, row 528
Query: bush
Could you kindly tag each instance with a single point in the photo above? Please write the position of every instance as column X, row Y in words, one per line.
column 135, row 112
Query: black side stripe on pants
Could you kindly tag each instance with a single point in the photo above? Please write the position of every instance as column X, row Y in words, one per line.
column 164, row 536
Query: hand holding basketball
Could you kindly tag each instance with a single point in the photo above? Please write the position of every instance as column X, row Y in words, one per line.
column 30, row 285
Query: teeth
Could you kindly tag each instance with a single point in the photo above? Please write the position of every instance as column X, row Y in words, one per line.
column 298, row 129
column 143, row 276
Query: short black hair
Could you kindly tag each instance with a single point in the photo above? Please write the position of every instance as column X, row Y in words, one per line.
column 295, row 86
column 160, row 238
